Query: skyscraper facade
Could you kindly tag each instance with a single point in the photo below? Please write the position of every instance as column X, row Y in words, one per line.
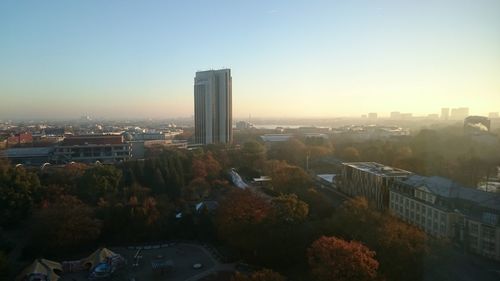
column 213, row 109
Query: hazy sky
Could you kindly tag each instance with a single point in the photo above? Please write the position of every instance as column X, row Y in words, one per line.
column 288, row 58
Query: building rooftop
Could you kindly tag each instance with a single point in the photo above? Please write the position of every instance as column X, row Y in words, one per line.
column 449, row 189
column 378, row 169
column 27, row 152
column 275, row 137
column 92, row 139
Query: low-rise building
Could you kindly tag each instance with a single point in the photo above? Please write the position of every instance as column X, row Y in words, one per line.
column 370, row 180
column 92, row 148
column 443, row 208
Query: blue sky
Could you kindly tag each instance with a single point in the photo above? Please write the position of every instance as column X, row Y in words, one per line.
column 288, row 58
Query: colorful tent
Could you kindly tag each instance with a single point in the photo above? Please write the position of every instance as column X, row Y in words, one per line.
column 41, row 267
column 100, row 255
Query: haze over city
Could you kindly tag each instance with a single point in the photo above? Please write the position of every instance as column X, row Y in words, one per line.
column 289, row 59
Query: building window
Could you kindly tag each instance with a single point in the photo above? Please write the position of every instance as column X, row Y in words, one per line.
column 474, row 228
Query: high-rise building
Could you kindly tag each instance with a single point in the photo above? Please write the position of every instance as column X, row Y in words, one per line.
column 213, row 110
column 372, row 115
column 445, row 113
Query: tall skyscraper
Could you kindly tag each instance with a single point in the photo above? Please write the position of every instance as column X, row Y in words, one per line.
column 213, row 108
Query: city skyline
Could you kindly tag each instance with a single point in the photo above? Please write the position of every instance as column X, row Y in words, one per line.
column 127, row 59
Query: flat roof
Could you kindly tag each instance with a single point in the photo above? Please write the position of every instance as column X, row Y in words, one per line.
column 93, row 139
column 28, row 152
column 327, row 177
column 378, row 169
column 275, row 137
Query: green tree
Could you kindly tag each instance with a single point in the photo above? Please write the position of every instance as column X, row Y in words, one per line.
column 19, row 190
column 98, row 182
column 4, row 267
column 289, row 209
column 253, row 155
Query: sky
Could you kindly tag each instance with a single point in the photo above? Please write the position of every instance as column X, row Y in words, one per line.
column 131, row 58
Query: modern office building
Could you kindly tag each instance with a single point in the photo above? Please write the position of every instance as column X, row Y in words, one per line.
column 370, row 180
column 443, row 208
column 213, row 108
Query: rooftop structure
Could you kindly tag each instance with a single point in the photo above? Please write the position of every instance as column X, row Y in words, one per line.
column 92, row 148
column 378, row 169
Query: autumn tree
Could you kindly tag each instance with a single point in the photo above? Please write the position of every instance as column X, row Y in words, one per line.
column 260, row 275
column 331, row 258
column 349, row 154
column 66, row 225
column 289, row 209
column 239, row 217
column 287, row 178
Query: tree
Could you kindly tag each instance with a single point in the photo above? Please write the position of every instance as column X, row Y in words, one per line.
column 98, row 182
column 289, row 209
column 287, row 178
column 239, row 217
column 260, row 275
column 331, row 258
column 4, row 266
column 292, row 151
column 253, row 155
column 401, row 249
column 66, row 225
column 350, row 154
column 19, row 190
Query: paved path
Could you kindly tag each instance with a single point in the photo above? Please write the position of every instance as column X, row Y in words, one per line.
column 217, row 267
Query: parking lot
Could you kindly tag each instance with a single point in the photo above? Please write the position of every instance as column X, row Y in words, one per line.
column 183, row 256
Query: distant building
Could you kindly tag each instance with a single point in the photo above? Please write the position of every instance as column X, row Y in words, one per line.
column 443, row 208
column 493, row 115
column 459, row 113
column 372, row 115
column 270, row 138
column 445, row 113
column 20, row 139
column 433, row 116
column 395, row 115
column 29, row 156
column 213, row 107
column 476, row 125
column 406, row 115
column 243, row 125
column 92, row 148
column 370, row 180
column 360, row 133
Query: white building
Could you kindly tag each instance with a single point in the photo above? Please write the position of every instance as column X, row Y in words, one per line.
column 443, row 208
column 213, row 108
